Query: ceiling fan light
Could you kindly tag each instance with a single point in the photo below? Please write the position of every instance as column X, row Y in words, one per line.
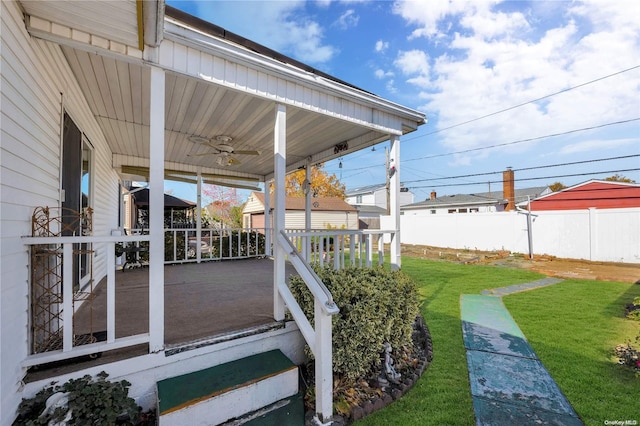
column 224, row 138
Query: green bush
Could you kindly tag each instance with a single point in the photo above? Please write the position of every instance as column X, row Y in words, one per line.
column 91, row 402
column 376, row 306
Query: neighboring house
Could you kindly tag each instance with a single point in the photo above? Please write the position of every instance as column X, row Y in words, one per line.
column 178, row 213
column 371, row 202
column 485, row 202
column 376, row 195
column 152, row 93
column 326, row 213
column 598, row 194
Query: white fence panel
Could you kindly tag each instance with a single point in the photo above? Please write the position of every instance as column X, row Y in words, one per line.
column 610, row 235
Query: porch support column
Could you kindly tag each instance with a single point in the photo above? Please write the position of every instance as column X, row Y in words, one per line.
column 156, row 210
column 307, row 212
column 280, row 165
column 394, row 172
column 198, row 217
column 268, row 230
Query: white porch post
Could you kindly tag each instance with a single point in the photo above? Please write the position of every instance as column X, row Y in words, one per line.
column 268, row 231
column 307, row 212
column 394, row 165
column 198, row 217
column 156, row 210
column 280, row 164
column 324, row 363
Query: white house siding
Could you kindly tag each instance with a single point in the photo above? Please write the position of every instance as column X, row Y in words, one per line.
column 608, row 235
column 322, row 220
column 34, row 75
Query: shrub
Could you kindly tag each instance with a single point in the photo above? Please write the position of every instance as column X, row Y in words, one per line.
column 376, row 306
column 98, row 402
column 633, row 309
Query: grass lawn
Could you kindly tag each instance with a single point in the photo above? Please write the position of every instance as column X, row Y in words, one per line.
column 593, row 323
column 573, row 326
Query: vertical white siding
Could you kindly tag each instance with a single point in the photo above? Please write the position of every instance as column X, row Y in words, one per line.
column 36, row 83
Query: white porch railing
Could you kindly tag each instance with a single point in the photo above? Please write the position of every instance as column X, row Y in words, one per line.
column 181, row 244
column 318, row 339
column 65, row 245
column 340, row 247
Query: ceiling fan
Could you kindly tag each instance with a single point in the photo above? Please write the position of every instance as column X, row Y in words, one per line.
column 222, row 149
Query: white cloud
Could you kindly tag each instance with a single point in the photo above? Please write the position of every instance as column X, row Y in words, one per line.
column 381, row 46
column 381, row 74
column 596, row 145
column 347, row 20
column 502, row 59
column 281, row 25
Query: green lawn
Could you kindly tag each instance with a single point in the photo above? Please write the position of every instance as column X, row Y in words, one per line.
column 588, row 312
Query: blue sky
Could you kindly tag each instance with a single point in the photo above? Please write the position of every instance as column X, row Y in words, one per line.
column 495, row 79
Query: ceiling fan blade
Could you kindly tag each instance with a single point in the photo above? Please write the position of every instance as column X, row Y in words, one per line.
column 201, row 155
column 241, row 152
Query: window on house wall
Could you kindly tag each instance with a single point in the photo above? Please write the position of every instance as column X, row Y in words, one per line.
column 462, row 210
column 77, row 194
column 451, row 211
column 433, row 212
column 358, row 199
column 474, row 210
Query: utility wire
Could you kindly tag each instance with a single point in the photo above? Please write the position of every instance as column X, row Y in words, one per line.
column 526, row 168
column 530, row 102
column 524, row 140
column 526, row 179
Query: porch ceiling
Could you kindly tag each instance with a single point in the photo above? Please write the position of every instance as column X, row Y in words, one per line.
column 216, row 84
column 118, row 95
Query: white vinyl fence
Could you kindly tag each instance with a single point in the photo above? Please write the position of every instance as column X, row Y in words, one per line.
column 608, row 235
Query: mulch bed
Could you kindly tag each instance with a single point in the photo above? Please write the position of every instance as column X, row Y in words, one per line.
column 375, row 396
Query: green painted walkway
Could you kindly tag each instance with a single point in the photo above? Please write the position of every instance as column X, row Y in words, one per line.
column 509, row 384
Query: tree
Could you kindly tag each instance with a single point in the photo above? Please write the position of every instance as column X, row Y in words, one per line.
column 223, row 201
column 322, row 184
column 557, row 186
column 619, row 178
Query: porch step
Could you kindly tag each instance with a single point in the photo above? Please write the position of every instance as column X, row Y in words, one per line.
column 286, row 412
column 217, row 394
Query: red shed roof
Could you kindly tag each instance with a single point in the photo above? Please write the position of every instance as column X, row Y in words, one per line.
column 598, row 194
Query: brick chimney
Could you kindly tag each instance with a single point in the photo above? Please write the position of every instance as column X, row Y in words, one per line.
column 508, row 190
column 433, row 195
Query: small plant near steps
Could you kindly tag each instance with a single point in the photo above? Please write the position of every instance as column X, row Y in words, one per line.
column 83, row 401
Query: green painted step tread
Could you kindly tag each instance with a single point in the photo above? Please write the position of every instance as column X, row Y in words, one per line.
column 181, row 391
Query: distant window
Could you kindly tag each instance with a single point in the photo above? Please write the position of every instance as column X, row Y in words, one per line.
column 358, row 198
column 452, row 211
column 462, row 210
column 404, row 189
column 474, row 210
column 433, row 212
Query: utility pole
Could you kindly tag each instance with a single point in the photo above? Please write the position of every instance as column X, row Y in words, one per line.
column 388, row 181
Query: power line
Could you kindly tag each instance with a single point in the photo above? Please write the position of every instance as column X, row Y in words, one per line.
column 528, row 168
column 524, row 140
column 530, row 102
column 527, row 179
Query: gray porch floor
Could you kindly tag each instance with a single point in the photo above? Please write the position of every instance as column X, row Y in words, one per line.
column 201, row 301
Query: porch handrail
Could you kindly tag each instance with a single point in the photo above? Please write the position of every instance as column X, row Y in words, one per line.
column 68, row 348
column 314, row 283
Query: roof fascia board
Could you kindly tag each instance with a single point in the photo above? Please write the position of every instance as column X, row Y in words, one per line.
column 191, row 38
column 66, row 36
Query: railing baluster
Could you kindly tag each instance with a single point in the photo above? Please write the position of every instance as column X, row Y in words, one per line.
column 111, row 293
column 67, row 297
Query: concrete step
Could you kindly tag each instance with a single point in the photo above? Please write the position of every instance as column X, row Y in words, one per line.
column 217, row 394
